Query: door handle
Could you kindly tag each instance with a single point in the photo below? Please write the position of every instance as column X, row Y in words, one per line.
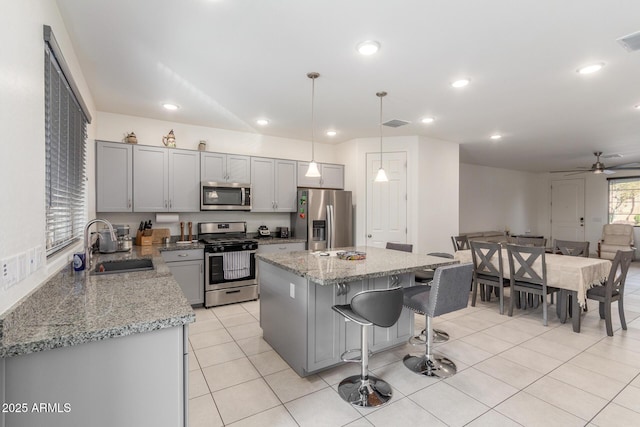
column 369, row 236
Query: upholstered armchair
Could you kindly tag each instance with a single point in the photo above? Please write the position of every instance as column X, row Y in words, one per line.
column 615, row 237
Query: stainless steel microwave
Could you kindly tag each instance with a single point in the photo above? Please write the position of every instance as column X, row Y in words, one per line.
column 225, row 196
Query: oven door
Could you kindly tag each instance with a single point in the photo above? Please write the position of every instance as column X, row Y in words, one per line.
column 215, row 277
column 223, row 196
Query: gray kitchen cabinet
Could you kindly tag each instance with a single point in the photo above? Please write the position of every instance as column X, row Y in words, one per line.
column 134, row 380
column 220, row 167
column 114, row 177
column 274, row 185
column 187, row 267
column 297, row 318
column 331, row 176
column 165, row 180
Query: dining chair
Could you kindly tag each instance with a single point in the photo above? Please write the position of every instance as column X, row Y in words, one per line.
column 485, row 271
column 460, row 243
column 531, row 241
column 571, row 248
column 613, row 289
column 528, row 271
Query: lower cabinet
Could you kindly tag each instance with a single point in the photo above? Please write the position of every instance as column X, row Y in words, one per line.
column 326, row 344
column 187, row 267
column 298, row 322
column 134, row 380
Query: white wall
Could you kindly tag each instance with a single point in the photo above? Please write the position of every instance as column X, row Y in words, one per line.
column 432, row 174
column 113, row 127
column 22, row 164
column 497, row 199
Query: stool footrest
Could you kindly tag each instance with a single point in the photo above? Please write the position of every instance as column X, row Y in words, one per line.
column 356, row 359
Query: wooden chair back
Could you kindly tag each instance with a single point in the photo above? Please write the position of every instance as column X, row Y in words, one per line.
column 571, row 248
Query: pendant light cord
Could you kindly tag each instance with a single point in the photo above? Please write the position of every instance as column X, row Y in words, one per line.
column 381, row 95
column 313, row 76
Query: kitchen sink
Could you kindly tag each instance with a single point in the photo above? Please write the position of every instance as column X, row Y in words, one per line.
column 124, row 266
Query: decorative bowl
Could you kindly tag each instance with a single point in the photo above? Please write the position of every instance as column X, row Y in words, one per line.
column 352, row 255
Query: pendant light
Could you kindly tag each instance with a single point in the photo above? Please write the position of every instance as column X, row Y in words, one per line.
column 313, row 171
column 381, row 176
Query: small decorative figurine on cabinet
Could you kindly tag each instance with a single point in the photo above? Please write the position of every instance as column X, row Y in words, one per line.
column 169, row 140
column 131, row 138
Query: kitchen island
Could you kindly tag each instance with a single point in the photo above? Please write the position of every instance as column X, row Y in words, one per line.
column 298, row 289
column 99, row 350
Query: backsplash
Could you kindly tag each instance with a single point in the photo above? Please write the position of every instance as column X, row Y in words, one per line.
column 253, row 220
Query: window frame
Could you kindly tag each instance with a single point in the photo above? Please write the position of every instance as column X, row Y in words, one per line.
column 612, row 181
column 66, row 120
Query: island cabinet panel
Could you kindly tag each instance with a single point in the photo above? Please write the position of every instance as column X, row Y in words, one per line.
column 283, row 314
column 135, row 380
column 400, row 332
column 298, row 322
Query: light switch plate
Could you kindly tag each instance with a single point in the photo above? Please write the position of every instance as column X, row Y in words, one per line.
column 9, row 271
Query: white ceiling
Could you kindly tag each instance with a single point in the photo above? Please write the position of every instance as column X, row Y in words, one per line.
column 230, row 62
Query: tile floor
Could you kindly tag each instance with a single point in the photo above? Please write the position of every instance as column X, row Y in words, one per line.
column 511, row 371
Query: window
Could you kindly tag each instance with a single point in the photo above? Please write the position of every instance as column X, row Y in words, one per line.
column 66, row 118
column 624, row 200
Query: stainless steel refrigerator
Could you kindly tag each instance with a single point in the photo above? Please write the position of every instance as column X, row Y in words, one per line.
column 324, row 218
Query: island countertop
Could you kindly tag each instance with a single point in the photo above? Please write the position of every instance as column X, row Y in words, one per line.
column 77, row 307
column 331, row 270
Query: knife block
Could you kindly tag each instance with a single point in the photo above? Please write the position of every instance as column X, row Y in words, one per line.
column 144, row 238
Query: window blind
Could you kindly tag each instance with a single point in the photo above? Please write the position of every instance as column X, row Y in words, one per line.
column 65, row 140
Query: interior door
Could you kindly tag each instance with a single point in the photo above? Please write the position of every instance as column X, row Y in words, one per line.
column 567, row 209
column 387, row 201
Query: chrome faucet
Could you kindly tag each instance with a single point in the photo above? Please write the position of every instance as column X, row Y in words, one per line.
column 87, row 248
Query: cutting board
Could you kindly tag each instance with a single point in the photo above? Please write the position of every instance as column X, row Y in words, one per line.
column 159, row 234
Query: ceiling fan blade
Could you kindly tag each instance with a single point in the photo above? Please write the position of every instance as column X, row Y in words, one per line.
column 608, row 172
column 571, row 171
column 634, row 165
column 625, row 169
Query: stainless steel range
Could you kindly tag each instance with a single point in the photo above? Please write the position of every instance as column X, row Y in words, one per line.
column 230, row 264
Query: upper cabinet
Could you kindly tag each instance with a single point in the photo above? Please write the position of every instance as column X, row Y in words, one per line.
column 219, row 167
column 274, row 185
column 114, row 179
column 331, row 176
column 165, row 179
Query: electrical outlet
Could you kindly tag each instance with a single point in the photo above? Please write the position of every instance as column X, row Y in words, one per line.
column 22, row 266
column 292, row 290
column 31, row 261
column 9, row 271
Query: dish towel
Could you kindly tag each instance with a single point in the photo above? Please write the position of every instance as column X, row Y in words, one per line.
column 236, row 265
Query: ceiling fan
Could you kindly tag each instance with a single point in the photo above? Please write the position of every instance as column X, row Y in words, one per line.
column 599, row 167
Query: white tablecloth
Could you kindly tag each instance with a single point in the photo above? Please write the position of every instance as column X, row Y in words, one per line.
column 565, row 272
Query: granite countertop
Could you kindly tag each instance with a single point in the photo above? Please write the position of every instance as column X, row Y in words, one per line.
column 330, row 270
column 77, row 307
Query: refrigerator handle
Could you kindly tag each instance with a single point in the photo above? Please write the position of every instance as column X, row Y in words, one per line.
column 332, row 230
column 329, row 227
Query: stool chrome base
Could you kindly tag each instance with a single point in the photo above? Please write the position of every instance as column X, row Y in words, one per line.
column 369, row 393
column 438, row 336
column 434, row 366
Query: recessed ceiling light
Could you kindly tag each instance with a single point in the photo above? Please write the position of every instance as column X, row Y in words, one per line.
column 368, row 47
column 588, row 69
column 496, row 136
column 461, row 83
column 331, row 133
column 262, row 122
column 428, row 120
column 171, row 107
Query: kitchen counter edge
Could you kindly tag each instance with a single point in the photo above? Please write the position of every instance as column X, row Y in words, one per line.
column 52, row 316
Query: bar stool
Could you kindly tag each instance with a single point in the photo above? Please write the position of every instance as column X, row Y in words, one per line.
column 426, row 277
column 448, row 292
column 378, row 307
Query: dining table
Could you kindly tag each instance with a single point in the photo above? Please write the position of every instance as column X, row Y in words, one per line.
column 572, row 275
